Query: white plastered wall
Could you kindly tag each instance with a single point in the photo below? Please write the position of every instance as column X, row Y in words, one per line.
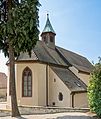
column 80, row 100
column 38, row 85
column 55, row 88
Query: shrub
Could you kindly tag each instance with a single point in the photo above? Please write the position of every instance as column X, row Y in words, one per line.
column 94, row 90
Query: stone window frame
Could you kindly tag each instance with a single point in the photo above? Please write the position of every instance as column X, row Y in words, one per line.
column 26, row 84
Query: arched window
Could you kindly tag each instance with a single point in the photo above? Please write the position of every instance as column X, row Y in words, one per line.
column 27, row 83
column 60, row 96
column 51, row 39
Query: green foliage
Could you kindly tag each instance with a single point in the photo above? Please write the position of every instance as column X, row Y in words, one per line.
column 21, row 29
column 94, row 90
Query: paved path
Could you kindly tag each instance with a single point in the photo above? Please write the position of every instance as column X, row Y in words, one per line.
column 68, row 115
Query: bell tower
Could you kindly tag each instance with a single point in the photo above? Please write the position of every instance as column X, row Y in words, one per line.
column 48, row 34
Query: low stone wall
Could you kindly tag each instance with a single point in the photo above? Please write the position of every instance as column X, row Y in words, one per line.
column 77, row 117
column 48, row 110
column 4, row 113
column 3, row 98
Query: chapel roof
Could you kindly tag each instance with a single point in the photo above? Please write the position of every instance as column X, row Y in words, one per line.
column 57, row 56
column 76, row 60
column 43, row 53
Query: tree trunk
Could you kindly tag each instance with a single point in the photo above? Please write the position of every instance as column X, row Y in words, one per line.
column 15, row 111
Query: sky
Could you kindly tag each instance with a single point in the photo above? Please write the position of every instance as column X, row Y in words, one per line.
column 77, row 24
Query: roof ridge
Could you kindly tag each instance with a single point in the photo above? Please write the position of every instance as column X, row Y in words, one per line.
column 64, row 59
column 49, row 53
column 63, row 55
column 36, row 55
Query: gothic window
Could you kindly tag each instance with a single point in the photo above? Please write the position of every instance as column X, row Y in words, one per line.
column 60, row 96
column 45, row 39
column 51, row 39
column 27, row 83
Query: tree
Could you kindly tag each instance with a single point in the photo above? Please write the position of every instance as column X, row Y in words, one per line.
column 94, row 89
column 18, row 33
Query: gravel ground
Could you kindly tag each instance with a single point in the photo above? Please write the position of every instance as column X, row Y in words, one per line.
column 74, row 115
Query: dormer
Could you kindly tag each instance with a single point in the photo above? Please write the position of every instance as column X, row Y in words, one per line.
column 48, row 34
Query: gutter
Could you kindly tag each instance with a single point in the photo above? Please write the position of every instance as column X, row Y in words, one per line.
column 72, row 96
column 46, row 85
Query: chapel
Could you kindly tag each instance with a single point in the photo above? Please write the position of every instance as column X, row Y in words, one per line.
column 52, row 76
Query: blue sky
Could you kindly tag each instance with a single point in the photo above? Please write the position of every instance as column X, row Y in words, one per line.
column 77, row 24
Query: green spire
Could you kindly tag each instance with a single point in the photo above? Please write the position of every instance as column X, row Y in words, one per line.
column 48, row 26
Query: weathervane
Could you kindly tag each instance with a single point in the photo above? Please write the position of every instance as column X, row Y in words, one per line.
column 47, row 13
